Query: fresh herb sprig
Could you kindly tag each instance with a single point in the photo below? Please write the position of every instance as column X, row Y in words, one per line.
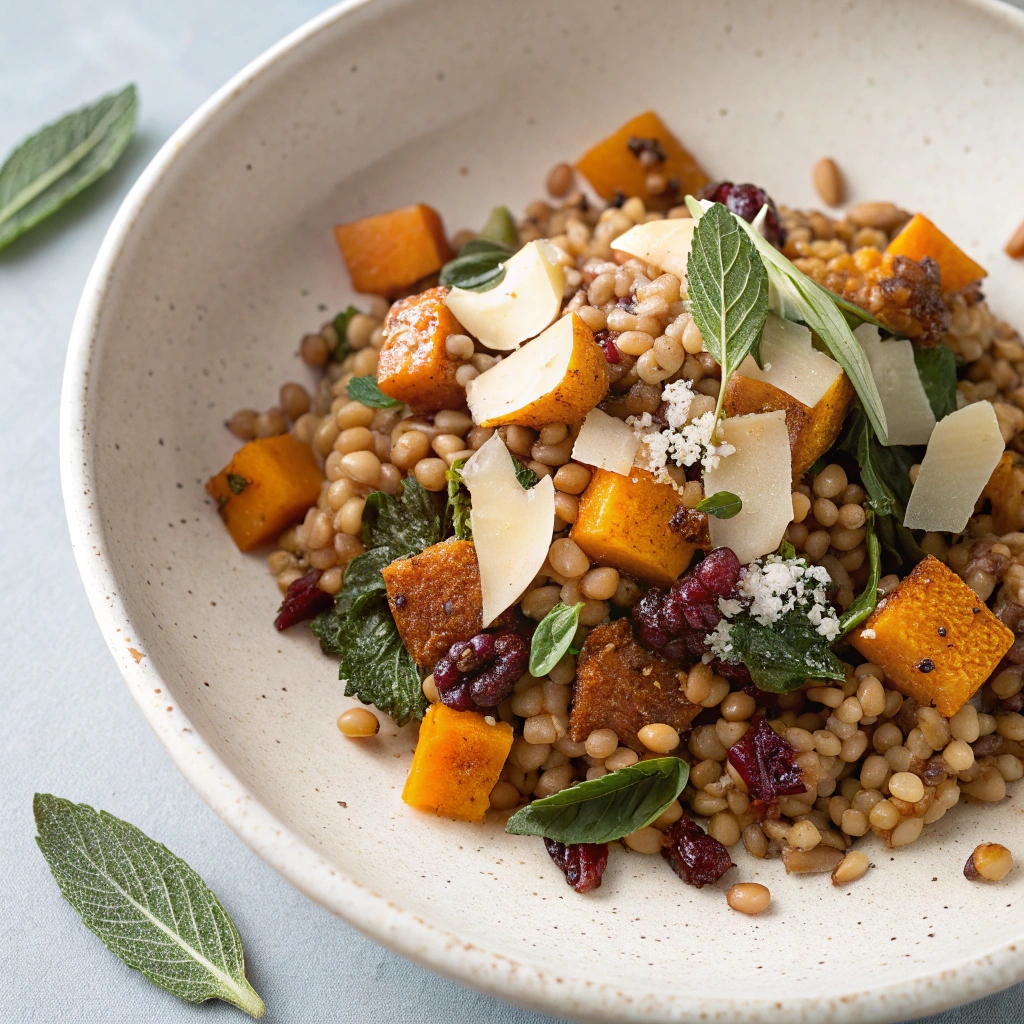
column 480, row 264
column 728, row 290
column 602, row 810
column 867, row 600
column 341, row 322
column 936, row 366
column 366, row 391
column 146, row 905
column 721, row 505
column 51, row 167
column 553, row 637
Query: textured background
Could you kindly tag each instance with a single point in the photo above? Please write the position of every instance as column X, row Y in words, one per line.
column 71, row 727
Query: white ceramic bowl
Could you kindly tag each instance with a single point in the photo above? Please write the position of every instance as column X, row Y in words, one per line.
column 222, row 257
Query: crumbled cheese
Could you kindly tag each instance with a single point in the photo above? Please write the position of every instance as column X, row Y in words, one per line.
column 719, row 642
column 868, row 634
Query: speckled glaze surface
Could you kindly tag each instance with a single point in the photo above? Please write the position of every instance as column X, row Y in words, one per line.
column 222, row 257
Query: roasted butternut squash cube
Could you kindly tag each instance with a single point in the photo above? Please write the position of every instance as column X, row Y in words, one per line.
column 435, row 598
column 614, row 164
column 1005, row 489
column 458, row 759
column 812, row 430
column 389, row 252
column 623, row 686
column 268, row 485
column 413, row 366
column 920, row 238
column 935, row 638
column 624, row 522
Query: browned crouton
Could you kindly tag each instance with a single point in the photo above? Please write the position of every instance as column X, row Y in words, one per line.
column 435, row 598
column 622, row 686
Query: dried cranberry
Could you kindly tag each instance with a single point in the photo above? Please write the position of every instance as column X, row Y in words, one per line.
column 302, row 600
column 746, row 201
column 611, row 351
column 480, row 672
column 697, row 858
column 766, row 763
column 582, row 864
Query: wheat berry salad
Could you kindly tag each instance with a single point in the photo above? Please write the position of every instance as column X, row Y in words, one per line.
column 682, row 523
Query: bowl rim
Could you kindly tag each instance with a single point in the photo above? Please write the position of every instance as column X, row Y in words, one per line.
column 371, row 912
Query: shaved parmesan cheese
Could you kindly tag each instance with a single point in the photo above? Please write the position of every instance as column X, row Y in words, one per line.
column 759, row 471
column 790, row 363
column 521, row 306
column 663, row 243
column 511, row 525
column 962, row 453
column 908, row 413
column 605, row 442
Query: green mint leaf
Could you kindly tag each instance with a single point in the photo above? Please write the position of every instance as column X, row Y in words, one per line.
column 365, row 390
column 936, row 367
column 865, row 603
column 604, row 809
column 375, row 665
column 237, row 483
column 146, row 905
column 54, row 165
column 781, row 656
column 552, row 637
column 456, row 513
column 341, row 322
column 727, row 286
column 819, row 310
column 721, row 505
column 526, row 476
column 500, row 228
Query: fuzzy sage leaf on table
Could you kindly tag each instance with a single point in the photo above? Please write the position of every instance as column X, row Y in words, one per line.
column 553, row 637
column 721, row 505
column 604, row 809
column 728, row 291
column 365, row 390
column 146, row 905
column 51, row 167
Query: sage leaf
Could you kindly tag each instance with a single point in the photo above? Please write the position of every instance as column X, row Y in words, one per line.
column 553, row 637
column 479, row 266
column 602, row 810
column 500, row 228
column 146, row 905
column 341, row 322
column 51, row 167
column 365, row 390
column 936, row 366
column 728, row 290
column 721, row 505
column 819, row 310
column 866, row 601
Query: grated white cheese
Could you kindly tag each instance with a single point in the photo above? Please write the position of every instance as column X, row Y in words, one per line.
column 868, row 634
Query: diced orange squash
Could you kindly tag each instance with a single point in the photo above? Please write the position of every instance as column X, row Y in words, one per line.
column 389, row 252
column 458, row 759
column 812, row 431
column 270, row 483
column 935, row 638
column 611, row 166
column 413, row 366
column 1005, row 489
column 623, row 522
column 920, row 238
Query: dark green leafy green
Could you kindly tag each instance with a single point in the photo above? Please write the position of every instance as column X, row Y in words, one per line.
column 237, row 483
column 365, row 390
column 405, row 525
column 602, row 810
column 866, row 601
column 147, row 906
column 721, row 505
column 526, row 476
column 479, row 266
column 456, row 514
column 885, row 469
column 500, row 228
column 936, row 366
column 341, row 322
column 553, row 637
column 51, row 167
column 728, row 290
column 781, row 656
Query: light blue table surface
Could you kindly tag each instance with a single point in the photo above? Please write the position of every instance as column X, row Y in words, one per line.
column 68, row 722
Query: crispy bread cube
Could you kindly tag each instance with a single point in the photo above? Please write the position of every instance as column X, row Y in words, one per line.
column 389, row 252
column 613, row 166
column 269, row 484
column 624, row 521
column 413, row 366
column 1005, row 489
column 458, row 759
column 435, row 598
column 812, row 431
column 623, row 686
column 935, row 638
